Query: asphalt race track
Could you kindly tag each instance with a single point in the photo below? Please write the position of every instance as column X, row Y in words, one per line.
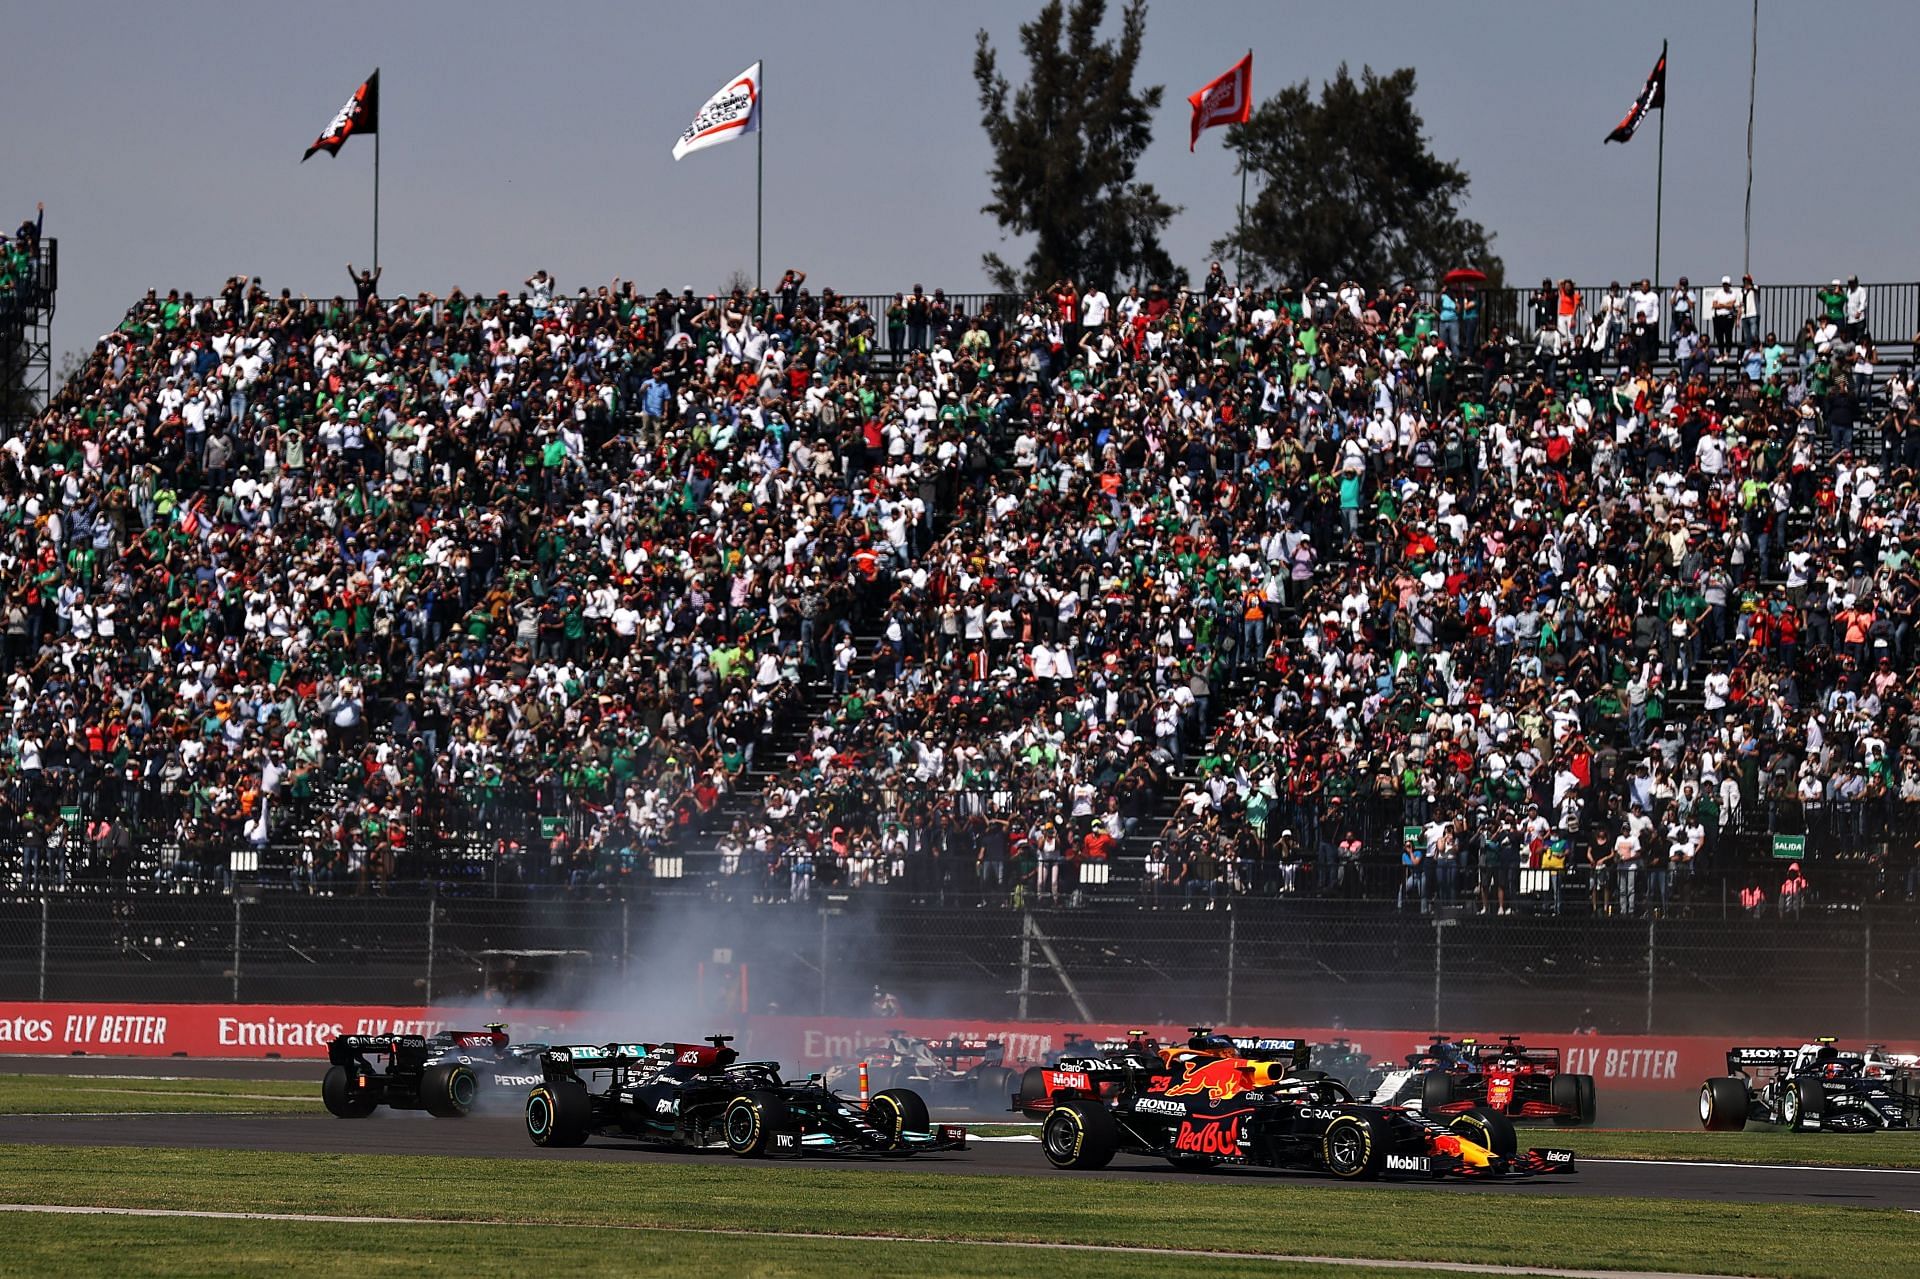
column 501, row 1136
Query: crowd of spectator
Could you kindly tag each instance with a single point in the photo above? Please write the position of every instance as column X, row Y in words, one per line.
column 19, row 258
column 921, row 597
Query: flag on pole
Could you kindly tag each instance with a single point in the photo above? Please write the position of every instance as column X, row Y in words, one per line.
column 1227, row 100
column 360, row 115
column 728, row 114
column 1652, row 98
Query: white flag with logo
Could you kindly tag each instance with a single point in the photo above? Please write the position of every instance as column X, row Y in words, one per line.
column 728, row 114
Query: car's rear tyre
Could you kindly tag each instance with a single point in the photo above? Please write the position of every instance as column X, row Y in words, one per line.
column 1488, row 1128
column 751, row 1121
column 897, row 1112
column 1564, row 1092
column 448, row 1090
column 1801, row 1106
column 1589, row 1101
column 994, row 1089
column 1436, row 1090
column 342, row 1099
column 1080, row 1134
column 1033, row 1089
column 1723, row 1104
column 1354, row 1147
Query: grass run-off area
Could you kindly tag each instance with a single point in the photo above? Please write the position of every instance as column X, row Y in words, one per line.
column 103, row 1095
column 527, row 1210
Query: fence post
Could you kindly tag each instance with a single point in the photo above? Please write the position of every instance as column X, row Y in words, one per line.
column 626, row 936
column 1026, row 963
column 823, row 961
column 1866, row 984
column 1649, row 974
column 43, row 947
column 236, row 948
column 1439, row 950
column 1233, row 936
column 432, row 910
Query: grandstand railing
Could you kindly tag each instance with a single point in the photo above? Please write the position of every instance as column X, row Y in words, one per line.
column 1893, row 308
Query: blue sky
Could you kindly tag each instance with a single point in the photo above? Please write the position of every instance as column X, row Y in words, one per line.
column 166, row 140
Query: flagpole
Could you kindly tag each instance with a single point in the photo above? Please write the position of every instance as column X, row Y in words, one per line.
column 760, row 177
column 1240, row 240
column 1660, row 173
column 1753, row 74
column 377, row 131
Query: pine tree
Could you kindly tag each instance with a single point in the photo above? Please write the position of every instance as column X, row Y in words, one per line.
column 1065, row 147
column 1349, row 190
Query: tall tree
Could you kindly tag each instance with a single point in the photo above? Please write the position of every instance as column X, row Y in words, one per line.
column 1349, row 189
column 1065, row 147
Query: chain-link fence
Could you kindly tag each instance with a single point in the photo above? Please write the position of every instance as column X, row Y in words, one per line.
column 1262, row 963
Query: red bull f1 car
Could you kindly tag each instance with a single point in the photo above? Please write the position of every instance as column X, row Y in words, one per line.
column 1223, row 1100
column 446, row 1075
column 1814, row 1088
column 702, row 1097
column 1448, row 1078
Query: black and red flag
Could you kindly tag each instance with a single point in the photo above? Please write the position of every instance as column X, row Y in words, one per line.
column 1652, row 98
column 360, row 115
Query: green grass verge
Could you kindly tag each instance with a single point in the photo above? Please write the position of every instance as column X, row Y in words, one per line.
column 1260, row 1215
column 92, row 1094
column 148, row 1246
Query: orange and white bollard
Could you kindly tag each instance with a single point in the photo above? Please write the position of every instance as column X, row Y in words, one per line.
column 863, row 1081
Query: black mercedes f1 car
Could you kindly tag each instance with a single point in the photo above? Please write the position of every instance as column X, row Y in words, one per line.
column 1813, row 1088
column 1222, row 1100
column 445, row 1075
column 701, row 1096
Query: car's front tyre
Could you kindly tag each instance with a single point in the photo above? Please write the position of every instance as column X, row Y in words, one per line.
column 559, row 1114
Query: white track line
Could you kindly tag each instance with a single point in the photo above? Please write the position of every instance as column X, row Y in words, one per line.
column 1447, row 1267
column 1025, row 1136
column 1702, row 1163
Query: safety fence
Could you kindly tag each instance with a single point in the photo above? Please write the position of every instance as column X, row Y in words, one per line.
column 840, row 955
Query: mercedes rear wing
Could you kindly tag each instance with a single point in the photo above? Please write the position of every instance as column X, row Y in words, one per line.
column 344, row 1050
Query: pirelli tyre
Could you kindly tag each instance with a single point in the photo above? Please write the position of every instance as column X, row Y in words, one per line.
column 1723, row 1104
column 1354, row 1147
column 1436, row 1090
column 1079, row 1134
column 1801, row 1106
column 1487, row 1128
column 559, row 1113
column 1564, row 1092
column 753, row 1123
column 343, row 1097
column 1589, row 1099
column 897, row 1112
column 993, row 1086
column 448, row 1090
column 1033, row 1089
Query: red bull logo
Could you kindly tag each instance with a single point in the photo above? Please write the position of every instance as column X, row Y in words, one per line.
column 1221, row 1079
column 1204, row 1137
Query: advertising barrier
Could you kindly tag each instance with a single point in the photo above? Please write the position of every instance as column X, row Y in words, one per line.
column 1651, row 1063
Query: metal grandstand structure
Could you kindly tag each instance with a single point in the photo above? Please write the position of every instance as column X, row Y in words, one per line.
column 26, row 337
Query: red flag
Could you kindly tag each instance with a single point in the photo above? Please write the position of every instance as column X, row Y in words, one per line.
column 360, row 115
column 1227, row 100
column 1652, row 98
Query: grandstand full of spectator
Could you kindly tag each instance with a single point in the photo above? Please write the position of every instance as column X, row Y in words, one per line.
column 1248, row 583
